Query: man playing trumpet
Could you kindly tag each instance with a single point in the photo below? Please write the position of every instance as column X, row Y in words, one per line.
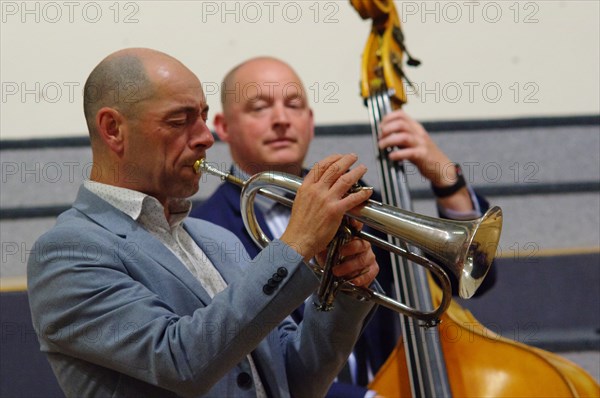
column 129, row 297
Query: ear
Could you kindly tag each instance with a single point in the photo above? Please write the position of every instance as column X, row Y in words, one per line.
column 111, row 128
column 220, row 125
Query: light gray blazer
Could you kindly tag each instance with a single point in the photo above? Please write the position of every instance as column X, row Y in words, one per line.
column 119, row 315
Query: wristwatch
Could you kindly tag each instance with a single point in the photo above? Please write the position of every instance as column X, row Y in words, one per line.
column 444, row 192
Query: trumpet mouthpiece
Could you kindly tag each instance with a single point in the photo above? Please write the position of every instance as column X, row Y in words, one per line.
column 198, row 165
column 202, row 166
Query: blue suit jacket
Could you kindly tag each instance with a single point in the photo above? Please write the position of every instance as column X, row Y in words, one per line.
column 119, row 315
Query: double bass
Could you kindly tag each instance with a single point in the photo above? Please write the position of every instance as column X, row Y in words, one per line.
column 425, row 362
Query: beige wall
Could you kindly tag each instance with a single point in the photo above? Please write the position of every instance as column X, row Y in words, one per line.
column 481, row 59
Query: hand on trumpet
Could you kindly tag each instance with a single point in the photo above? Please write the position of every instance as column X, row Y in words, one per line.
column 357, row 265
column 318, row 209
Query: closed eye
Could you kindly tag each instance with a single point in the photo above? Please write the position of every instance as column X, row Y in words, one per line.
column 177, row 122
column 187, row 117
column 258, row 105
column 295, row 103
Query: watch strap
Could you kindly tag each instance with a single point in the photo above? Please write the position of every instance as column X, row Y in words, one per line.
column 444, row 192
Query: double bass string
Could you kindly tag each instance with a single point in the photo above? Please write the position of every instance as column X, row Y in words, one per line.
column 426, row 365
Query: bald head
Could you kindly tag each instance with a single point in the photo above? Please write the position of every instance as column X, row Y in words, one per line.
column 147, row 115
column 248, row 73
column 121, row 81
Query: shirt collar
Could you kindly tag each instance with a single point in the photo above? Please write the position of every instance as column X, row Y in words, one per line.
column 136, row 204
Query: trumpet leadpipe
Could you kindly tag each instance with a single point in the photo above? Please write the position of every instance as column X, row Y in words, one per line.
column 202, row 166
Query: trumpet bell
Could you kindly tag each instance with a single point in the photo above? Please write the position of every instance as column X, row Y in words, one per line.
column 465, row 248
column 480, row 253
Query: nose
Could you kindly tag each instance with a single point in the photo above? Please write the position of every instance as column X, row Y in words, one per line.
column 201, row 137
column 281, row 120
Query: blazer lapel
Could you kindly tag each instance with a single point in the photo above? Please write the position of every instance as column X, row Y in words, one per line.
column 122, row 225
column 158, row 252
column 212, row 246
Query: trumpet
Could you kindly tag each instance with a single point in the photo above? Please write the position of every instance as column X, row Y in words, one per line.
column 465, row 248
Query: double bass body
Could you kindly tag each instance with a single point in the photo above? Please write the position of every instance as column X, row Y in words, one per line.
column 481, row 363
